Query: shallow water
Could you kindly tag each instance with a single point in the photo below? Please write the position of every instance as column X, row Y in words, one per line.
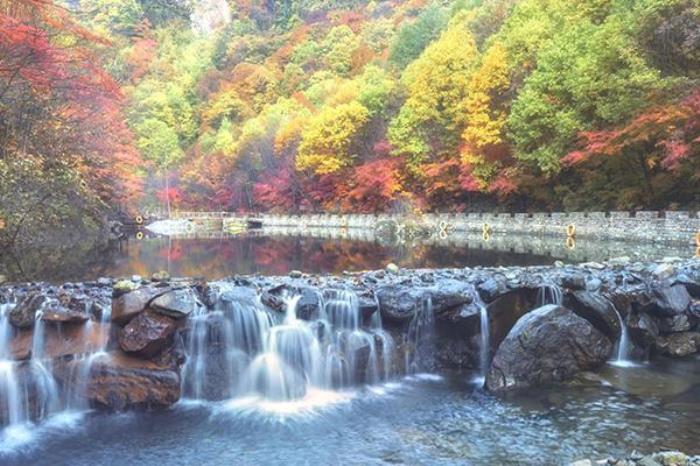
column 424, row 419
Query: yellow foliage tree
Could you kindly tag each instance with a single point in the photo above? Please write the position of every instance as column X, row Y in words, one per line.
column 327, row 140
column 485, row 121
column 436, row 84
column 224, row 104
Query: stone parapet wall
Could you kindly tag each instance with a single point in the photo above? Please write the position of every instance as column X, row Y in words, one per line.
column 580, row 250
column 681, row 227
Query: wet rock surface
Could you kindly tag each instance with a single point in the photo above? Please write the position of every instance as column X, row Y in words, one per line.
column 119, row 382
column 665, row 458
column 128, row 305
column 598, row 310
column 177, row 304
column 24, row 314
column 147, row 334
column 550, row 344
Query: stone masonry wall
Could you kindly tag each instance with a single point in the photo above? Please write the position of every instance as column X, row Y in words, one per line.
column 679, row 227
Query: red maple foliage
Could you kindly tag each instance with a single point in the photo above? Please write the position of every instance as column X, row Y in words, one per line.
column 58, row 103
column 372, row 186
column 670, row 132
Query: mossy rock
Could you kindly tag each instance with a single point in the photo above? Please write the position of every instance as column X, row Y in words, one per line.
column 123, row 287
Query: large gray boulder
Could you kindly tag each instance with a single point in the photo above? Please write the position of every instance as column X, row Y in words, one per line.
column 550, row 344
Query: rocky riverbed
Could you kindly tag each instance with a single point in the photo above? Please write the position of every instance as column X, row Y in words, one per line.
column 544, row 325
column 665, row 458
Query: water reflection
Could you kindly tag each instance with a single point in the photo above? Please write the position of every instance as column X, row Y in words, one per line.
column 249, row 254
column 316, row 250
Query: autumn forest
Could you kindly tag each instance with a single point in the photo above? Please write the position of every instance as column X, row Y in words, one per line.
column 346, row 106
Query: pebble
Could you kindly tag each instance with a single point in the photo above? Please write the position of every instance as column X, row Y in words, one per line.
column 664, row 271
column 622, row 260
column 392, row 268
column 160, row 276
column 295, row 274
column 592, row 265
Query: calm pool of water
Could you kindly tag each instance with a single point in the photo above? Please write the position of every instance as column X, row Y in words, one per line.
column 248, row 254
column 428, row 420
column 327, row 251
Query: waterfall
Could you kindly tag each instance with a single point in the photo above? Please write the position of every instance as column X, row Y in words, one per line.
column 82, row 369
column 29, row 389
column 277, row 357
column 624, row 345
column 10, row 388
column 420, row 337
column 19, row 381
column 484, row 347
column 48, row 399
column 549, row 293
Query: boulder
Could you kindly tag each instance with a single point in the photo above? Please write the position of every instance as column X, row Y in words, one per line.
column 492, row 288
column 122, row 287
column 597, row 310
column 147, row 334
column 669, row 300
column 273, row 300
column 677, row 323
column 691, row 280
column 23, row 314
column 126, row 306
column 643, row 329
column 59, row 313
column 679, row 344
column 573, row 281
column 450, row 294
column 308, row 306
column 399, row 303
column 119, row 382
column 549, row 344
column 177, row 304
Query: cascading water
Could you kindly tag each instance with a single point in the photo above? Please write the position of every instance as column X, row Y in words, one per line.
column 242, row 350
column 624, row 346
column 11, row 401
column 485, row 343
column 29, row 389
column 549, row 293
column 48, row 399
column 420, row 337
column 82, row 369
